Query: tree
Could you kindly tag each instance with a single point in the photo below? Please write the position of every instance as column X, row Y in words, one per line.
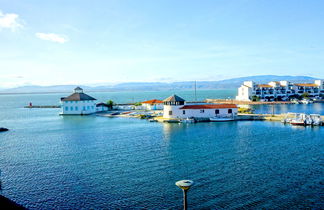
column 305, row 95
column 138, row 104
column 110, row 104
column 255, row 98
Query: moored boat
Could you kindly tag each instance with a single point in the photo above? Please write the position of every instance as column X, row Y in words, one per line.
column 221, row 119
column 188, row 120
column 297, row 122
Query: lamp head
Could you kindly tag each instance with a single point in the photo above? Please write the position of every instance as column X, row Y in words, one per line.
column 184, row 184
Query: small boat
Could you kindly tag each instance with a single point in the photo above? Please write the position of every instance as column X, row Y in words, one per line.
column 306, row 101
column 221, row 119
column 152, row 120
column 316, row 119
column 4, row 129
column 295, row 101
column 188, row 120
column 297, row 122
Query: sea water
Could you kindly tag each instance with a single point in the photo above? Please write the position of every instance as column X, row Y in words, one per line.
column 52, row 161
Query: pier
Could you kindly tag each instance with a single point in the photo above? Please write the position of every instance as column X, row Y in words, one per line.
column 44, row 106
column 268, row 117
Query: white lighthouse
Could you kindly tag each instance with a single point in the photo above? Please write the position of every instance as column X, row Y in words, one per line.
column 172, row 105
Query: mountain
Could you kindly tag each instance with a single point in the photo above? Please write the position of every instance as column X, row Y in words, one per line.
column 158, row 86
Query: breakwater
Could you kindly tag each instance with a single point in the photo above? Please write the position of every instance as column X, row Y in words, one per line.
column 269, row 117
column 44, row 106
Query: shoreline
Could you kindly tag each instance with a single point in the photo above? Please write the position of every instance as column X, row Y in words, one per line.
column 9, row 204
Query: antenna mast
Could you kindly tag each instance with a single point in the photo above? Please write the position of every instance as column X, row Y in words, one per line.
column 195, row 90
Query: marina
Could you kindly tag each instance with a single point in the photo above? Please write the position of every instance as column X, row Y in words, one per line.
column 244, row 157
column 162, row 105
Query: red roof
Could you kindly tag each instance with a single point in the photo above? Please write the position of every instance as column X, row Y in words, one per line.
column 210, row 106
column 265, row 86
column 307, row 85
column 153, row 101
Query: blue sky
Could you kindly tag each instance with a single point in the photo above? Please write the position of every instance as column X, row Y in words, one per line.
column 88, row 42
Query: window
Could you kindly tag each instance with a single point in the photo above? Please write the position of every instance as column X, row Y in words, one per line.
column 217, row 111
column 170, row 112
column 71, row 108
column 92, row 107
column 230, row 111
column 88, row 107
column 202, row 111
column 183, row 111
column 83, row 108
column 76, row 108
column 66, row 108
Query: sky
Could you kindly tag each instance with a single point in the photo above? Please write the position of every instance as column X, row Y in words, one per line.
column 111, row 41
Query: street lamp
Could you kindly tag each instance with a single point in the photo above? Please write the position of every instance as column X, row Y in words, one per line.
column 185, row 186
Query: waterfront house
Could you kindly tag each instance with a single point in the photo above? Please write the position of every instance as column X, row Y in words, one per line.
column 102, row 107
column 125, row 107
column 176, row 107
column 282, row 90
column 78, row 103
column 153, row 104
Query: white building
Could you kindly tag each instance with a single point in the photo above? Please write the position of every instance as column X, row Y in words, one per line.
column 102, row 107
column 176, row 107
column 78, row 103
column 153, row 104
column 282, row 90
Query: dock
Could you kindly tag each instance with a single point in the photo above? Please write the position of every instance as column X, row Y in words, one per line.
column 239, row 117
column 45, row 106
column 232, row 101
column 268, row 117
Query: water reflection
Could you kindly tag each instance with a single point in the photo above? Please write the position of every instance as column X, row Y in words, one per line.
column 316, row 108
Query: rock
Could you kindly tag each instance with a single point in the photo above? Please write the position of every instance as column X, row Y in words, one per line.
column 3, row 129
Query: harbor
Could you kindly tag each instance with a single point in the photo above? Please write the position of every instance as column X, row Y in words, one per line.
column 118, row 144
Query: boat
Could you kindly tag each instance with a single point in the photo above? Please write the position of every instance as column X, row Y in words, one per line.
column 188, row 120
column 295, row 101
column 221, row 119
column 306, row 101
column 316, row 119
column 308, row 120
column 4, row 129
column 152, row 120
column 299, row 120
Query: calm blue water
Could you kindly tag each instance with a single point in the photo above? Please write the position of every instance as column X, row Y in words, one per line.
column 51, row 161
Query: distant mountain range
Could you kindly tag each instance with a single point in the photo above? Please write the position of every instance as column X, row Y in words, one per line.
column 159, row 86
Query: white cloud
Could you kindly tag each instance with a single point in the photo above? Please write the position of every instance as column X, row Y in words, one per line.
column 10, row 21
column 52, row 37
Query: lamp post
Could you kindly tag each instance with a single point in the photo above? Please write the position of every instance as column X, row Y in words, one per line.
column 185, row 186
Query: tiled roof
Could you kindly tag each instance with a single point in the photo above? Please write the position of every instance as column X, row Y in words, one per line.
column 174, row 98
column 265, row 85
column 307, row 85
column 78, row 97
column 210, row 106
column 153, row 101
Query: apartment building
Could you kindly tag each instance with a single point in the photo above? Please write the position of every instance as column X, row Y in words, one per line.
column 282, row 90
